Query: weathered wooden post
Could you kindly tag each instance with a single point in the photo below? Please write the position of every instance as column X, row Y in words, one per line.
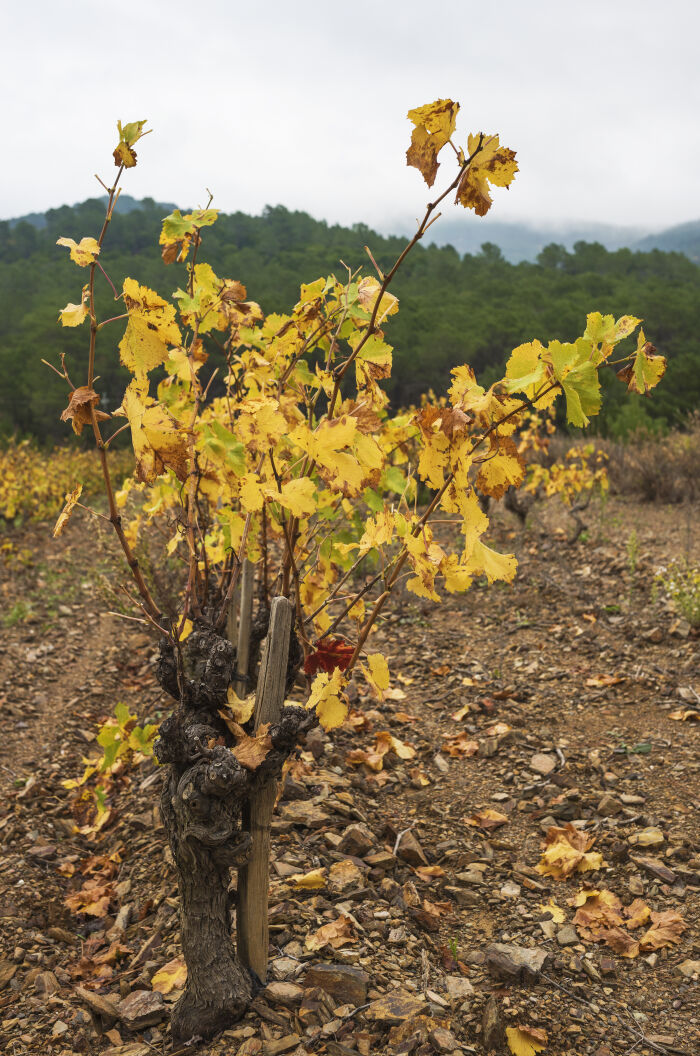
column 254, row 877
column 245, row 616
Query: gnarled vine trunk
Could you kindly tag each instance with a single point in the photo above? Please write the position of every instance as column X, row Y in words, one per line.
column 203, row 802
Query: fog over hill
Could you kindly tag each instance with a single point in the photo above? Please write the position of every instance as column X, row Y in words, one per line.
column 519, row 242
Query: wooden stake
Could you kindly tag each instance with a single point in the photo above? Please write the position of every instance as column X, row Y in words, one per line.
column 245, row 615
column 254, row 877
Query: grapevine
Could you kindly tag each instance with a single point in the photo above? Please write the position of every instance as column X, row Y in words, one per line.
column 268, row 441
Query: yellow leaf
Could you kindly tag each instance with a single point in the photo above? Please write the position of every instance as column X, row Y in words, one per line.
column 64, row 516
column 488, row 819
column 260, row 424
column 493, row 565
column 157, row 439
column 325, row 697
column 378, row 672
column 502, row 469
column 493, row 164
column 172, row 976
column 435, row 123
column 367, row 292
column 251, row 493
column 82, row 253
column 525, row 1041
column 298, row 496
column 567, row 851
column 310, row 881
column 75, row 314
column 556, row 913
column 241, row 710
column 150, row 332
column 386, row 742
column 186, row 630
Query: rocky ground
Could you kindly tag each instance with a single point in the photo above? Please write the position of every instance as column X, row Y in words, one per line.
column 414, row 906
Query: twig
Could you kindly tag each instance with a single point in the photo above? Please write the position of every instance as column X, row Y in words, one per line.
column 400, row 837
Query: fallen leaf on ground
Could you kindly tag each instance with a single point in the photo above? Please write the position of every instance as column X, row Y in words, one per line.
column 619, row 941
column 556, row 912
column 461, row 745
column 638, row 913
column 172, row 976
column 429, row 872
column 666, row 930
column 598, row 681
column 685, row 715
column 525, row 1041
column 336, row 934
column 310, row 881
column 93, row 898
column 487, row 819
column 567, row 852
column 597, row 910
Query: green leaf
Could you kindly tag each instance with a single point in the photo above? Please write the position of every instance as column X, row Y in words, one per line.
column 131, row 132
column 111, row 740
column 176, row 227
column 224, row 446
column 578, row 377
column 141, row 739
column 394, row 480
column 121, row 714
column 303, row 375
column 646, row 370
column 373, row 499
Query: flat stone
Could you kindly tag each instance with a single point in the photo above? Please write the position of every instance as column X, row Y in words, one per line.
column 280, row 993
column 492, row 1025
column 463, row 896
column 520, row 963
column 393, row 1008
column 567, row 936
column 102, row 1007
column 303, row 812
column 458, row 987
column 142, row 1008
column 542, row 763
column 649, row 837
column 443, row 1040
column 46, row 984
column 342, row 982
column 655, row 868
column 410, row 850
column 688, row 969
column 284, row 968
column 380, row 860
column 286, row 1044
column 609, row 807
column 357, row 840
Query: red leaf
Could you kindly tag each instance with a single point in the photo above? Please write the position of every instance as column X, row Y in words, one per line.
column 331, row 653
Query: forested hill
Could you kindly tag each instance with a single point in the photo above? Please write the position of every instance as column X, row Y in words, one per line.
column 454, row 309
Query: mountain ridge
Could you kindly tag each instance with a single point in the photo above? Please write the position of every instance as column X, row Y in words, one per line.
column 517, row 241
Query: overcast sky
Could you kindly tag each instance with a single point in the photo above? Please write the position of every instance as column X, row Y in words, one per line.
column 304, row 103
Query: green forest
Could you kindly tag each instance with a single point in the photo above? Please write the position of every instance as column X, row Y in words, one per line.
column 454, row 309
